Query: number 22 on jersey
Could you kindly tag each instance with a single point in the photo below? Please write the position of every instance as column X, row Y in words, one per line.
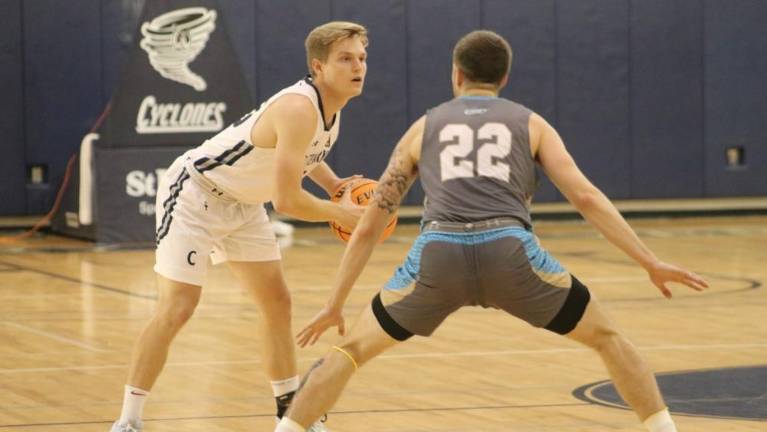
column 495, row 146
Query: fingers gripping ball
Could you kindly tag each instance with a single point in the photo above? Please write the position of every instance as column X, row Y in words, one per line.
column 362, row 191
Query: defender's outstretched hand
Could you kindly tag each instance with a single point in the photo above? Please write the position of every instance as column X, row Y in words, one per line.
column 325, row 319
column 661, row 273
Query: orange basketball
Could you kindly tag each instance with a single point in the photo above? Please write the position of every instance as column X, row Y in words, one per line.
column 362, row 191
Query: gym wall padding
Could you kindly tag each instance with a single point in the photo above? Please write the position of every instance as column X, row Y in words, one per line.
column 666, row 96
column 592, row 90
column 281, row 28
column 647, row 94
column 62, row 85
column 120, row 23
column 239, row 16
column 735, row 100
column 12, row 164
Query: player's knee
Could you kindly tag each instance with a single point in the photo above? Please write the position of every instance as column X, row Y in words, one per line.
column 605, row 338
column 176, row 314
column 278, row 307
column 283, row 302
column 353, row 353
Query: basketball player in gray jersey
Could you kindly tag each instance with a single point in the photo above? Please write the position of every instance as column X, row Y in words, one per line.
column 476, row 155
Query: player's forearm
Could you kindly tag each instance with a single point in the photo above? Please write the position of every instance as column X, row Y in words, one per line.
column 357, row 254
column 602, row 214
column 305, row 206
column 324, row 176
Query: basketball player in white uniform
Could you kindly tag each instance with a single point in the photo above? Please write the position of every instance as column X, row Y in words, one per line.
column 210, row 203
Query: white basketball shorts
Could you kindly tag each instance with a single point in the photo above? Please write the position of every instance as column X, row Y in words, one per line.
column 195, row 222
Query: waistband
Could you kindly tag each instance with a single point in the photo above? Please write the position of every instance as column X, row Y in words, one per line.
column 484, row 225
column 205, row 183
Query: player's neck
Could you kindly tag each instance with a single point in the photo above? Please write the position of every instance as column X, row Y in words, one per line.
column 331, row 102
column 477, row 91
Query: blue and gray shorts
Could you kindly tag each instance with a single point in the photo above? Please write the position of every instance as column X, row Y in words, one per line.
column 496, row 263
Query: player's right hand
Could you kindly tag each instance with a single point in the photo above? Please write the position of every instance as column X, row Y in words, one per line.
column 351, row 213
column 326, row 318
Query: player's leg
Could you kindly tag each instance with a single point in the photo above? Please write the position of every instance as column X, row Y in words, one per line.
column 329, row 375
column 265, row 282
column 416, row 300
column 529, row 283
column 630, row 374
column 181, row 265
column 176, row 304
column 177, row 301
column 253, row 255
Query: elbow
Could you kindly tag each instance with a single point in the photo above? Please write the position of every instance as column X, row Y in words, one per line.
column 283, row 205
column 364, row 231
column 586, row 199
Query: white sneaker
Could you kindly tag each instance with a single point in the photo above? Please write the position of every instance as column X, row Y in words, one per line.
column 282, row 229
column 318, row 426
column 116, row 427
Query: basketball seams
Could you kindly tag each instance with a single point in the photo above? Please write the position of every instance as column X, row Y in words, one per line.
column 360, row 187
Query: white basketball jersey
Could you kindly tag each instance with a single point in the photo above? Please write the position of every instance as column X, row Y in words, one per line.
column 246, row 172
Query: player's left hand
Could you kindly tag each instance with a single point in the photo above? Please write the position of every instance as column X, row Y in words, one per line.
column 342, row 181
column 661, row 273
column 326, row 318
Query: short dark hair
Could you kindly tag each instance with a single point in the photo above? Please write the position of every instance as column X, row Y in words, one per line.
column 483, row 56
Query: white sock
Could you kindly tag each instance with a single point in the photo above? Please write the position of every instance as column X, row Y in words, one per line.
column 133, row 405
column 285, row 386
column 288, row 425
column 660, row 422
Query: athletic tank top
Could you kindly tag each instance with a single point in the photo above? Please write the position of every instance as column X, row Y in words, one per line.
column 246, row 172
column 476, row 162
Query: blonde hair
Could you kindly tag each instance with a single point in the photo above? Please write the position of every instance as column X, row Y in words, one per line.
column 319, row 40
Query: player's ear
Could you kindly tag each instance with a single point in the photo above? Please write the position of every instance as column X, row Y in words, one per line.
column 316, row 67
column 503, row 82
column 457, row 78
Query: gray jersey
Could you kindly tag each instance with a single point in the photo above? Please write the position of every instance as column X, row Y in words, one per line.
column 476, row 162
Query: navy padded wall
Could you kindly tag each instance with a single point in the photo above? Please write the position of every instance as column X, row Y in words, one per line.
column 373, row 122
column 530, row 28
column 119, row 21
column 735, row 95
column 63, row 91
column 666, row 99
column 239, row 19
column 592, row 90
column 12, row 181
column 281, row 28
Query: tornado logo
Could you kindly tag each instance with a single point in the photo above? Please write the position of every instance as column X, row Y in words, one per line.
column 174, row 39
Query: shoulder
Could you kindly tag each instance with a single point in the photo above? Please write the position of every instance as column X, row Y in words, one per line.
column 537, row 124
column 413, row 138
column 294, row 107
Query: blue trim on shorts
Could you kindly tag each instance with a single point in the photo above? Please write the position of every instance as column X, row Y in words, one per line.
column 539, row 259
column 406, row 273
